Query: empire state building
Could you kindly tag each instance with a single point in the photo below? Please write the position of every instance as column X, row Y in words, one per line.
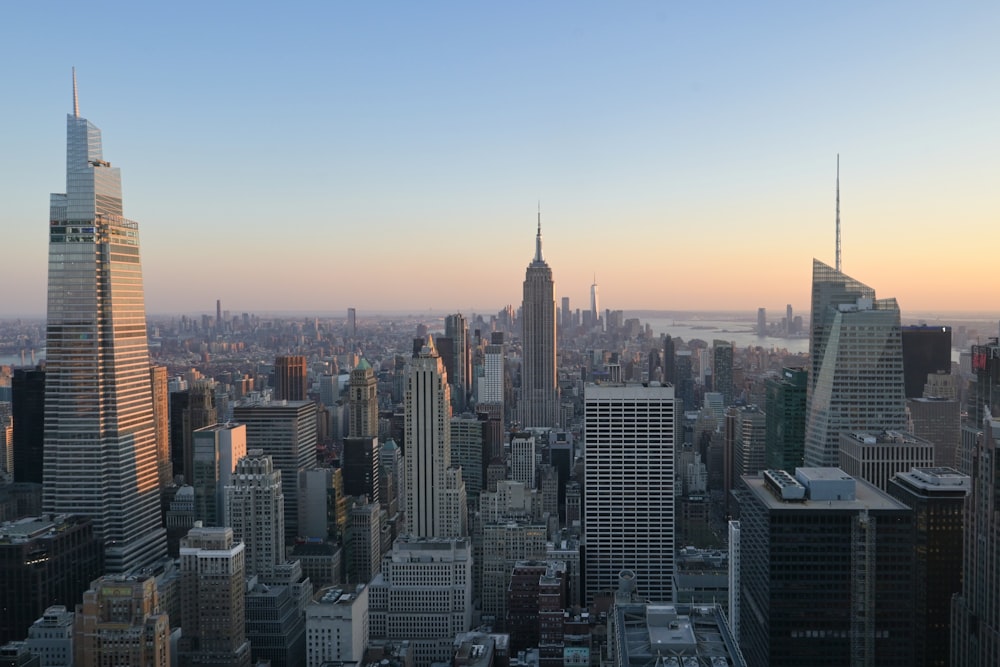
column 100, row 440
column 539, row 395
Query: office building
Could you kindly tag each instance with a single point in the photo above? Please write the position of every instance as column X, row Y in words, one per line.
column 435, row 494
column 468, row 451
column 255, row 510
column 51, row 637
column 190, row 410
column 762, row 322
column 121, row 623
column 364, row 543
column 939, row 421
column 876, row 457
column 857, row 365
column 337, row 626
column 826, row 575
column 722, row 371
column 926, row 351
column 28, row 413
column 785, row 422
column 100, row 436
column 285, row 431
column 522, row 459
column 423, row 594
column 216, row 450
column 291, row 378
column 460, row 370
column 539, row 404
column 683, row 377
column 536, row 600
column 44, row 561
column 975, row 635
column 629, row 438
column 749, row 438
column 937, row 497
column 361, row 449
column 161, row 420
column 275, row 616
column 213, row 587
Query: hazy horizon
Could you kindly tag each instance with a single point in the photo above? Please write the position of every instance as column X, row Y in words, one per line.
column 322, row 155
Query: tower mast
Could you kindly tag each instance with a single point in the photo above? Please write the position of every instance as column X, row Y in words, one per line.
column 838, row 213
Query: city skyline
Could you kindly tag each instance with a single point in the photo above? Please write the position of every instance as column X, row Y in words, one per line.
column 372, row 137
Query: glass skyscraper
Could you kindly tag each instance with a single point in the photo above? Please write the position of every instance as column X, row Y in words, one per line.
column 857, row 364
column 100, row 440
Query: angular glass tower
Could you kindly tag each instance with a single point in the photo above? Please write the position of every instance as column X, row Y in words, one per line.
column 100, row 441
column 856, row 353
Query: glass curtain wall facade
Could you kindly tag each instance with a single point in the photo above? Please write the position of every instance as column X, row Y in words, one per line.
column 857, row 365
column 100, row 441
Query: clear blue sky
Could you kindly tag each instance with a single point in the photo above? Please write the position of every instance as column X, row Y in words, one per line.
column 390, row 155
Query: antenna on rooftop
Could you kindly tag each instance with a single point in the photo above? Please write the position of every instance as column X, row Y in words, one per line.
column 838, row 213
column 76, row 98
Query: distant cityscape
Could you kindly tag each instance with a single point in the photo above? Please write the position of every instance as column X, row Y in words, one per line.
column 546, row 485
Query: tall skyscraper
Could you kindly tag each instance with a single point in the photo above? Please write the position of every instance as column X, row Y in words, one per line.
column 161, row 418
column 539, row 393
column 926, row 351
column 28, row 411
column 826, row 574
column 722, row 371
column 217, row 449
column 457, row 328
column 100, row 438
column 286, row 431
column 595, row 306
column 190, row 409
column 857, row 364
column 291, row 378
column 361, row 449
column 629, row 438
column 434, row 498
column 937, row 497
column 255, row 510
column 785, row 410
column 975, row 624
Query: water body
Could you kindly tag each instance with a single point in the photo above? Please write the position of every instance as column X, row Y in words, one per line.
column 742, row 333
column 15, row 359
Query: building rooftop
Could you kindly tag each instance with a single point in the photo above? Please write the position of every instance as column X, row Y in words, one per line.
column 668, row 635
column 865, row 495
column 936, row 479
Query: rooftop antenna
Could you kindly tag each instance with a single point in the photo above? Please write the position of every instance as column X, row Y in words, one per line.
column 76, row 98
column 838, row 213
column 538, row 238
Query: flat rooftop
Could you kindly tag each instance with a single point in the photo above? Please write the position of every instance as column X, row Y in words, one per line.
column 866, row 496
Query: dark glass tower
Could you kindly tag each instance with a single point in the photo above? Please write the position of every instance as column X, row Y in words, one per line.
column 926, row 350
column 785, row 407
column 28, row 410
column 100, row 440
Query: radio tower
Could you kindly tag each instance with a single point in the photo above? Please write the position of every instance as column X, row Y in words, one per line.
column 838, row 213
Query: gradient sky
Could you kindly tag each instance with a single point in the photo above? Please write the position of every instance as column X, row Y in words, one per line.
column 390, row 155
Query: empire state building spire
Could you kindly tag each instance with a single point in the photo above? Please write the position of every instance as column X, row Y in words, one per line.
column 538, row 239
column 539, row 399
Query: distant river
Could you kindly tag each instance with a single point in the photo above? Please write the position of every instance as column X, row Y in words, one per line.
column 741, row 333
column 15, row 359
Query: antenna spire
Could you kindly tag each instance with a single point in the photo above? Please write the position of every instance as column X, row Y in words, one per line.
column 838, row 213
column 538, row 238
column 76, row 98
